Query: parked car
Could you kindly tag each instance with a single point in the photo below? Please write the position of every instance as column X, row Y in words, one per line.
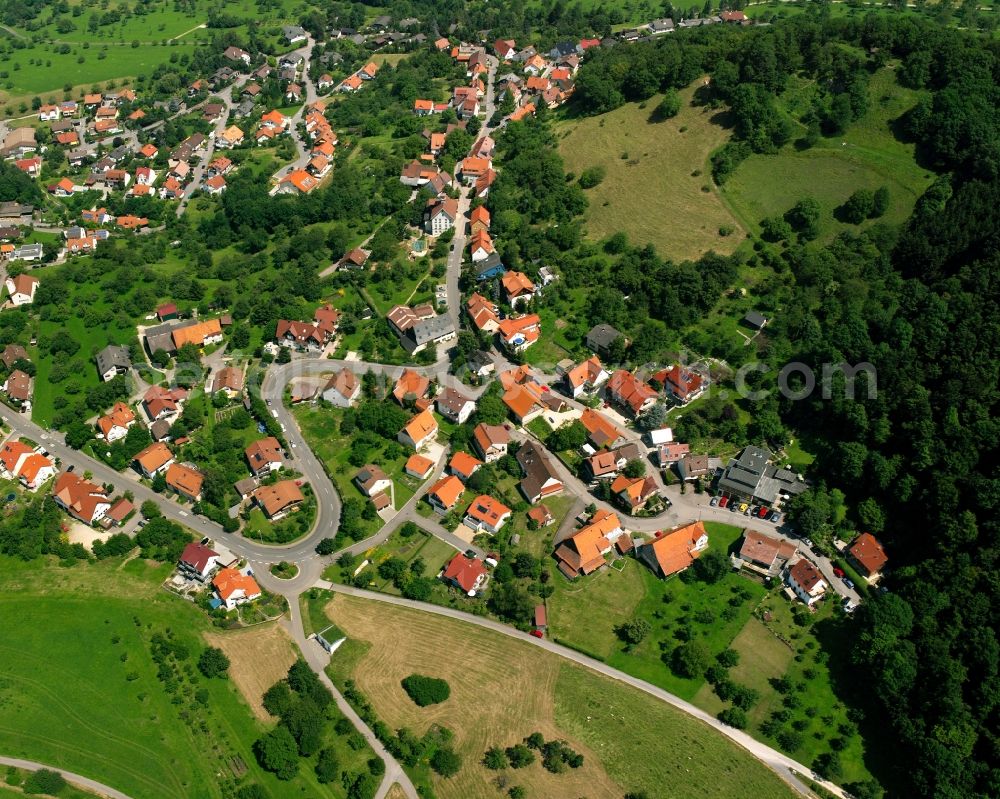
column 838, row 571
column 744, row 507
column 808, row 542
column 847, row 581
column 775, row 517
column 538, row 633
column 763, row 512
column 714, row 502
column 723, row 502
column 754, row 509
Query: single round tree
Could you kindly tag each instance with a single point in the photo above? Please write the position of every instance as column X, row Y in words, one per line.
column 278, row 753
column 213, row 662
column 495, row 759
column 425, row 690
column 669, row 106
column 446, row 761
column 690, row 660
column 326, row 546
column 734, row 717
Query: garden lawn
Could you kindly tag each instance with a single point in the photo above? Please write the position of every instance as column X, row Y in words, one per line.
column 321, row 429
column 503, row 689
column 585, row 613
column 90, row 338
column 713, row 613
column 650, row 190
column 79, row 688
column 432, row 550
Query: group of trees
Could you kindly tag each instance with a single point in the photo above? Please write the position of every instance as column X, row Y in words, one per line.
column 556, row 755
column 303, row 706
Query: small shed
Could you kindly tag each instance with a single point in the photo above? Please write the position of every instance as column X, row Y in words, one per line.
column 754, row 320
column 541, row 620
column 624, row 544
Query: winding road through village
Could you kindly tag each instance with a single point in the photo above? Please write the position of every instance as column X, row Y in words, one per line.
column 302, row 552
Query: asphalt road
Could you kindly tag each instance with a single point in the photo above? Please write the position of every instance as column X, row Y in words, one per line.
column 318, row 659
column 77, row 779
column 783, row 765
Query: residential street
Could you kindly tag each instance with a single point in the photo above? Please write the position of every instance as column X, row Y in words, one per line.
column 302, row 147
column 317, row 658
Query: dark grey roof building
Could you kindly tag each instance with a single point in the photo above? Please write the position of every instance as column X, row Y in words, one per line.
column 753, row 477
column 601, row 337
column 113, row 360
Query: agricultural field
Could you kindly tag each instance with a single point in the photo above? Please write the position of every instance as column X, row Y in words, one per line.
column 678, row 209
column 867, row 156
column 46, row 69
column 80, row 688
column 93, row 45
column 503, row 690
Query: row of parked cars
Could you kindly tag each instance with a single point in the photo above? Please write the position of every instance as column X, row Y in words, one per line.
column 757, row 511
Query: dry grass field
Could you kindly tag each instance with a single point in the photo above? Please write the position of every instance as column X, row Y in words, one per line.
column 650, row 189
column 259, row 657
column 496, row 698
column 396, row 792
column 503, row 690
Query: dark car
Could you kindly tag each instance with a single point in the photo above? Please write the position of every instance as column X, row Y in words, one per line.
column 847, row 581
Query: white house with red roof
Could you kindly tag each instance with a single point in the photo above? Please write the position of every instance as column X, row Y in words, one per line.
column 19, row 461
column 467, row 574
column 682, row 385
column 21, row 289
column 198, row 561
column 80, row 498
column 628, row 391
column 235, row 588
column 806, row 581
